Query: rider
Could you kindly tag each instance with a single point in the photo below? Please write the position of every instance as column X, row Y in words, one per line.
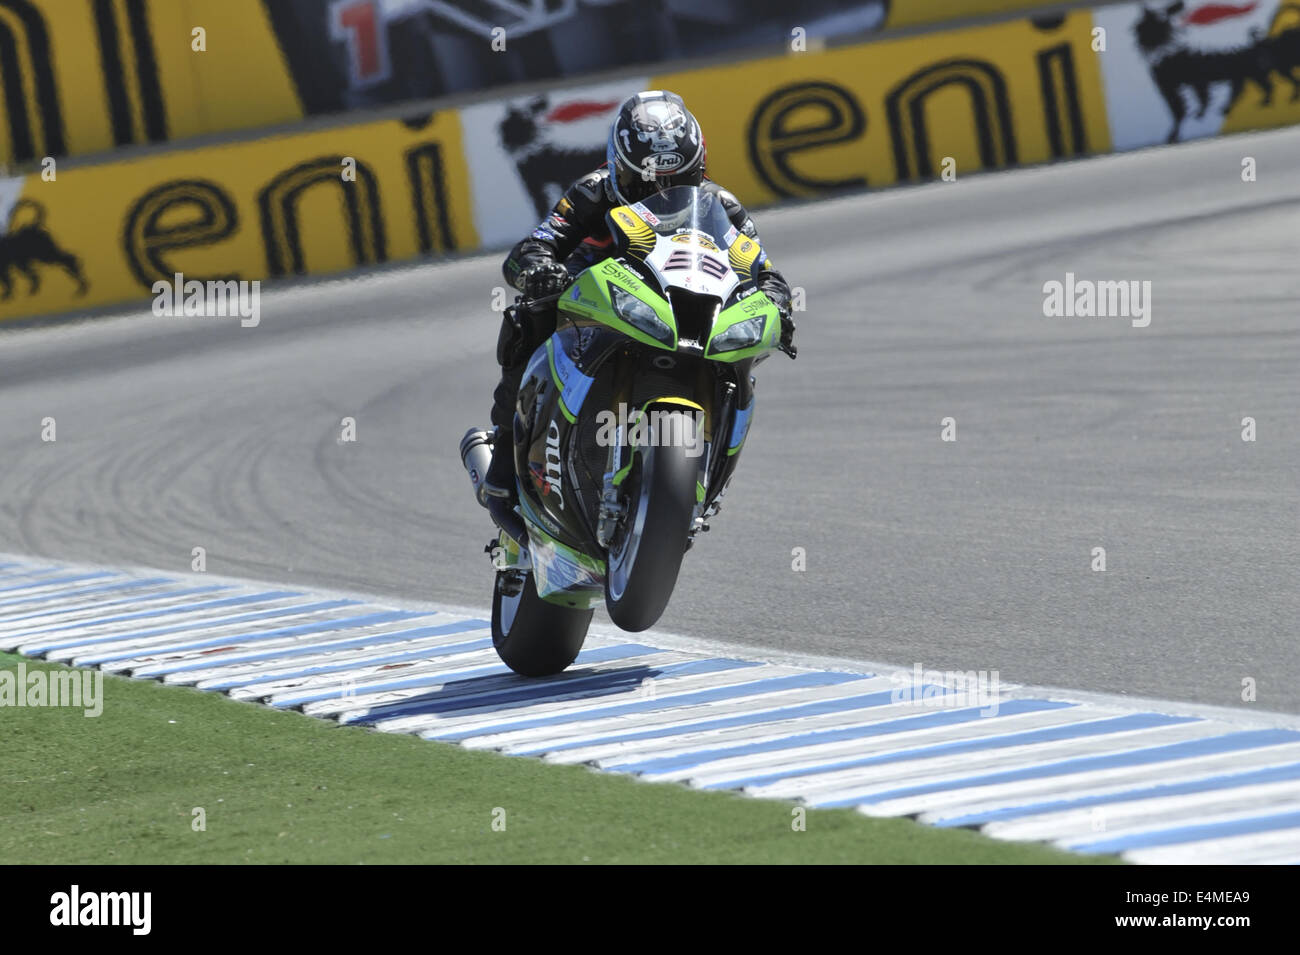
column 654, row 143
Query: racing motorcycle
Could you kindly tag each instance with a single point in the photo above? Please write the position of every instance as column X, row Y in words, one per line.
column 628, row 428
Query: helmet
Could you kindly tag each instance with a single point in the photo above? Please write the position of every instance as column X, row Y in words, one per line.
column 654, row 143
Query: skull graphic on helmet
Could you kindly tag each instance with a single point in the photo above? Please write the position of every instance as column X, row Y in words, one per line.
column 655, row 143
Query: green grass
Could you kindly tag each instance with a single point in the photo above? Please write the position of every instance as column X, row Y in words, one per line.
column 280, row 787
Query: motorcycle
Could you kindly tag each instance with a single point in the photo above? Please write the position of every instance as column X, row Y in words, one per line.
column 628, row 428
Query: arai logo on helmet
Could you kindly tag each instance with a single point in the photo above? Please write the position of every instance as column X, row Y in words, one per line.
column 666, row 162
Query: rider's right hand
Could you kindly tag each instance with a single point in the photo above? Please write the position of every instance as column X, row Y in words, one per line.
column 545, row 278
column 787, row 332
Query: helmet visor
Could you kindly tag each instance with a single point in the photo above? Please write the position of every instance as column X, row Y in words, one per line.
column 634, row 187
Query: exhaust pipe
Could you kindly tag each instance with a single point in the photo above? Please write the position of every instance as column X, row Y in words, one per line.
column 476, row 455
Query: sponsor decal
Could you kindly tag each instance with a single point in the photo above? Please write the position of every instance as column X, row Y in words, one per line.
column 697, row 238
column 1214, row 12
column 525, row 153
column 28, row 243
column 894, row 110
column 1184, row 70
column 667, row 162
column 581, row 342
column 553, row 483
column 357, row 25
column 649, row 217
column 243, row 212
column 147, row 86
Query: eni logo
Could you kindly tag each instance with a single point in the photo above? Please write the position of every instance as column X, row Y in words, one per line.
column 30, row 243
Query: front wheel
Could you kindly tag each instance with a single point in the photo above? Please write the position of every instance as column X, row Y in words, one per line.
column 533, row 637
column 646, row 554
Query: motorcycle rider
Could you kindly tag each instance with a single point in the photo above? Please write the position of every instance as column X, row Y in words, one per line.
column 654, row 143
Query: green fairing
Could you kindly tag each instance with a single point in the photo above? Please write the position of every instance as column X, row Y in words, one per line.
column 754, row 306
column 593, row 286
column 593, row 303
column 573, row 597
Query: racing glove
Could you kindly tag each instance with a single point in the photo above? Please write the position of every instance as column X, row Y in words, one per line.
column 543, row 279
column 778, row 291
column 787, row 331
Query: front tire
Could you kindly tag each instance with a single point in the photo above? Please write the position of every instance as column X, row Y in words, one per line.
column 532, row 637
column 646, row 555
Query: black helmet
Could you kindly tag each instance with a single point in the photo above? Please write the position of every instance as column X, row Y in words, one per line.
column 654, row 143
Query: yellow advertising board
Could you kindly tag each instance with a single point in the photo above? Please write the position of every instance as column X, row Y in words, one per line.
column 799, row 126
column 804, row 125
column 87, row 76
column 91, row 76
column 315, row 202
column 1280, row 103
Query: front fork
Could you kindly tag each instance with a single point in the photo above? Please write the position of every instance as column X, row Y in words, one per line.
column 613, row 504
column 613, row 508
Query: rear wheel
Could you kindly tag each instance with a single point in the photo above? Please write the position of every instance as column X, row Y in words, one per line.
column 533, row 637
column 646, row 554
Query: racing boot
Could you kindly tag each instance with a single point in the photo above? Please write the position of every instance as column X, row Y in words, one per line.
column 499, row 482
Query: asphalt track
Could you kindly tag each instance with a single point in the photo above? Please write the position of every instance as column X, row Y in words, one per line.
column 922, row 303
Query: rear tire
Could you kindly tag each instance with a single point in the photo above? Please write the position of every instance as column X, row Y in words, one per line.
column 532, row 637
column 645, row 559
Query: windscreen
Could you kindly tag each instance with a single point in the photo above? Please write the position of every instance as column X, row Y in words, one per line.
column 687, row 207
